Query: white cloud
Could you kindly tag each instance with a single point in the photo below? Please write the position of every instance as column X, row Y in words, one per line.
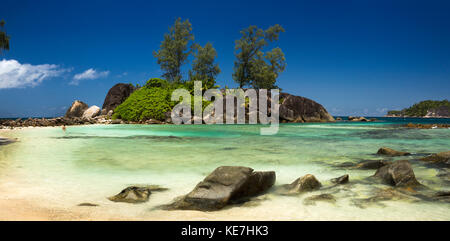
column 16, row 75
column 88, row 74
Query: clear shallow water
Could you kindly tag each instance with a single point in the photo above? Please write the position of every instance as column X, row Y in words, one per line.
column 89, row 163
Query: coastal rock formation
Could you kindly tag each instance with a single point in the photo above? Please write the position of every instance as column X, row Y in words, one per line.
column 300, row 109
column 304, row 184
column 427, row 126
column 439, row 158
column 225, row 185
column 391, row 152
column 360, row 118
column 132, row 194
column 398, row 173
column 77, row 109
column 91, row 112
column 440, row 112
column 116, row 96
column 340, row 180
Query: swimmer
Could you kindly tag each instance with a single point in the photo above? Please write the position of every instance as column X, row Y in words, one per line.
column 64, row 128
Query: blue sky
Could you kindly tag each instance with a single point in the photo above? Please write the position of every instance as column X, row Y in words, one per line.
column 353, row 57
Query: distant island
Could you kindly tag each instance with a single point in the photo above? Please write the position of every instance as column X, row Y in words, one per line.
column 424, row 109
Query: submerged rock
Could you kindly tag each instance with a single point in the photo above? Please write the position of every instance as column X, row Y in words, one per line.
column 304, row 184
column 326, row 197
column 88, row 205
column 6, row 141
column 371, row 164
column 132, row 194
column 225, row 185
column 398, row 173
column 381, row 195
column 340, row 180
column 391, row 152
column 439, row 158
column 427, row 126
column 77, row 109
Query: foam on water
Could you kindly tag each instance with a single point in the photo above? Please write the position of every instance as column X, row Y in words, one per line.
column 90, row 163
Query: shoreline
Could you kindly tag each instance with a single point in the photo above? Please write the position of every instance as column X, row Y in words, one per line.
column 27, row 198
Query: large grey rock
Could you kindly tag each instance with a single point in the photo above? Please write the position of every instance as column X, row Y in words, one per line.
column 300, row 109
column 398, row 173
column 77, row 109
column 117, row 95
column 92, row 112
column 225, row 185
column 391, row 152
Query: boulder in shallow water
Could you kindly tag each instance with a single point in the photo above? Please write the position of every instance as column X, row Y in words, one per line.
column 391, row 152
column 132, row 194
column 439, row 158
column 398, row 173
column 225, row 185
column 304, row 184
column 77, row 109
column 340, row 180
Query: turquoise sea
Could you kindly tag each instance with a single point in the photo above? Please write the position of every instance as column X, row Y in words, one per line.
column 55, row 170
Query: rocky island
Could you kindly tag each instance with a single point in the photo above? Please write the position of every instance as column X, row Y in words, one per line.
column 293, row 109
column 424, row 109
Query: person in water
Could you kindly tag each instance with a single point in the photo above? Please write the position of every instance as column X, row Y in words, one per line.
column 64, row 128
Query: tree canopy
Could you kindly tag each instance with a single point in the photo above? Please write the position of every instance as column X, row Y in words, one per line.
column 4, row 38
column 175, row 49
column 204, row 67
column 256, row 68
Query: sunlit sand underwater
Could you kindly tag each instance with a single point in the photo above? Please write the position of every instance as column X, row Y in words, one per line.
column 48, row 172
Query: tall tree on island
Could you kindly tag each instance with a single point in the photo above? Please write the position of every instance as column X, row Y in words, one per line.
column 253, row 67
column 174, row 50
column 204, row 67
column 4, row 38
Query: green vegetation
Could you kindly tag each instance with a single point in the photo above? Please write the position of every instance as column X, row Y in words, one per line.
column 395, row 112
column 4, row 38
column 174, row 50
column 149, row 102
column 421, row 108
column 253, row 67
column 204, row 69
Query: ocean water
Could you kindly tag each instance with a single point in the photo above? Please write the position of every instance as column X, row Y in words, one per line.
column 57, row 170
